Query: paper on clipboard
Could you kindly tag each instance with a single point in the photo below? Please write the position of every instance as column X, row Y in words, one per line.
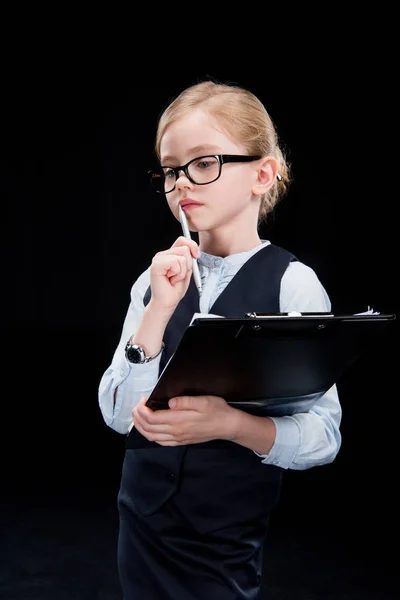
column 294, row 313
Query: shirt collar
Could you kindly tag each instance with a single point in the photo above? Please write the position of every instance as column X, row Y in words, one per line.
column 209, row 260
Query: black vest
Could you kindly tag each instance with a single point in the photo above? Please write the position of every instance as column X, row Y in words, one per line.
column 254, row 288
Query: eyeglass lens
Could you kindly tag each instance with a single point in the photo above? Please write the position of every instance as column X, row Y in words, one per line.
column 201, row 170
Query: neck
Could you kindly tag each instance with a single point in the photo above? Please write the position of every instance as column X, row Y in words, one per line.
column 225, row 241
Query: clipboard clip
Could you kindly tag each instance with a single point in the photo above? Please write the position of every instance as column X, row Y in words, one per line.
column 254, row 315
column 292, row 313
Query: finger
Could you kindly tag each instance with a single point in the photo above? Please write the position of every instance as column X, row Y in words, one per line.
column 144, row 412
column 156, row 430
column 169, row 264
column 159, row 419
column 138, row 407
column 149, row 432
column 141, row 424
column 149, row 418
column 176, row 280
column 162, row 258
column 183, row 250
column 191, row 244
column 175, row 277
column 172, row 443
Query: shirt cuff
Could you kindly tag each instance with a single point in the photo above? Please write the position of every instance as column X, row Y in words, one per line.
column 135, row 381
column 143, row 371
column 287, row 443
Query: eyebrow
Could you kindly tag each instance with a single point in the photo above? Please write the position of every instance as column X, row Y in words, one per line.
column 200, row 148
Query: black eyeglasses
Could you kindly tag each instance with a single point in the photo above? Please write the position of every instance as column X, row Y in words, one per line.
column 200, row 171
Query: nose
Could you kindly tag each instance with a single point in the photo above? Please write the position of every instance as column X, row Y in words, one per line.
column 183, row 182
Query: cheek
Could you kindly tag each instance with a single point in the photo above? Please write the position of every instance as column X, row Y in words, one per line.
column 236, row 181
column 242, row 182
column 233, row 192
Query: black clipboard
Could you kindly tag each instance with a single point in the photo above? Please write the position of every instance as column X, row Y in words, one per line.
column 266, row 364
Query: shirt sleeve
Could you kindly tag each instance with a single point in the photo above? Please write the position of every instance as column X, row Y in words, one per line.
column 124, row 384
column 313, row 438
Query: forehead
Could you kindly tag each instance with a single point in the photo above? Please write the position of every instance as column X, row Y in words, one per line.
column 193, row 134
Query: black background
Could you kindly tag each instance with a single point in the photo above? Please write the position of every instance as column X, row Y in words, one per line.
column 82, row 223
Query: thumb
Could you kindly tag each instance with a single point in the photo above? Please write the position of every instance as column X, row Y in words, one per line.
column 184, row 403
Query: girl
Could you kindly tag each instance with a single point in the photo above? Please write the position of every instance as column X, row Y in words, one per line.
column 197, row 491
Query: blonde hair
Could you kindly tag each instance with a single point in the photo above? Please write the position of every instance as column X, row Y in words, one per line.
column 244, row 118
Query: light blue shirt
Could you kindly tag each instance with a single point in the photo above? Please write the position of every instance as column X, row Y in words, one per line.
column 303, row 440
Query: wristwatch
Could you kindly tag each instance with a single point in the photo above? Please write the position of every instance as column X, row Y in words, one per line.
column 135, row 353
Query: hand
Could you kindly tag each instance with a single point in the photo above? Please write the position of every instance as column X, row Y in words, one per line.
column 170, row 273
column 190, row 420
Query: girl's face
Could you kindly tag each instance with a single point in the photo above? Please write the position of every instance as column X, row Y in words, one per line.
column 224, row 201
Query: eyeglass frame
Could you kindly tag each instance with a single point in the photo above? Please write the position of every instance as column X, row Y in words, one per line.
column 222, row 160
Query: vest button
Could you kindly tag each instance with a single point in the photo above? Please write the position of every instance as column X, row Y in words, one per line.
column 171, row 476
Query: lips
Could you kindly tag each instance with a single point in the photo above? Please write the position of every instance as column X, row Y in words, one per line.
column 189, row 202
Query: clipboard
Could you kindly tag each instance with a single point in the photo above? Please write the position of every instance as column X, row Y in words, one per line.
column 270, row 364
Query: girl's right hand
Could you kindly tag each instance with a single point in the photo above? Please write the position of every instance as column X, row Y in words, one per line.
column 170, row 273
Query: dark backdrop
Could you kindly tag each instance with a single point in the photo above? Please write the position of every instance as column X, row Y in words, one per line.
column 82, row 223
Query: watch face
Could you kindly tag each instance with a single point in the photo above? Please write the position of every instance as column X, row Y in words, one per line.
column 135, row 354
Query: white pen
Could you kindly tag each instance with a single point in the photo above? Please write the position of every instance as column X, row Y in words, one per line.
column 186, row 233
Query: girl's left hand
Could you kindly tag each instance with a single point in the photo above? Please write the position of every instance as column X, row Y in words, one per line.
column 190, row 420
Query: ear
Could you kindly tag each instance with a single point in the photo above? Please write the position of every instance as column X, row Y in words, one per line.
column 266, row 175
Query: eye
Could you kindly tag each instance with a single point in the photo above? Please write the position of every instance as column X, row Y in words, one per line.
column 205, row 163
column 169, row 173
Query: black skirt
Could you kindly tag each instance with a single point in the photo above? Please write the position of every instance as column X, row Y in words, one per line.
column 193, row 521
